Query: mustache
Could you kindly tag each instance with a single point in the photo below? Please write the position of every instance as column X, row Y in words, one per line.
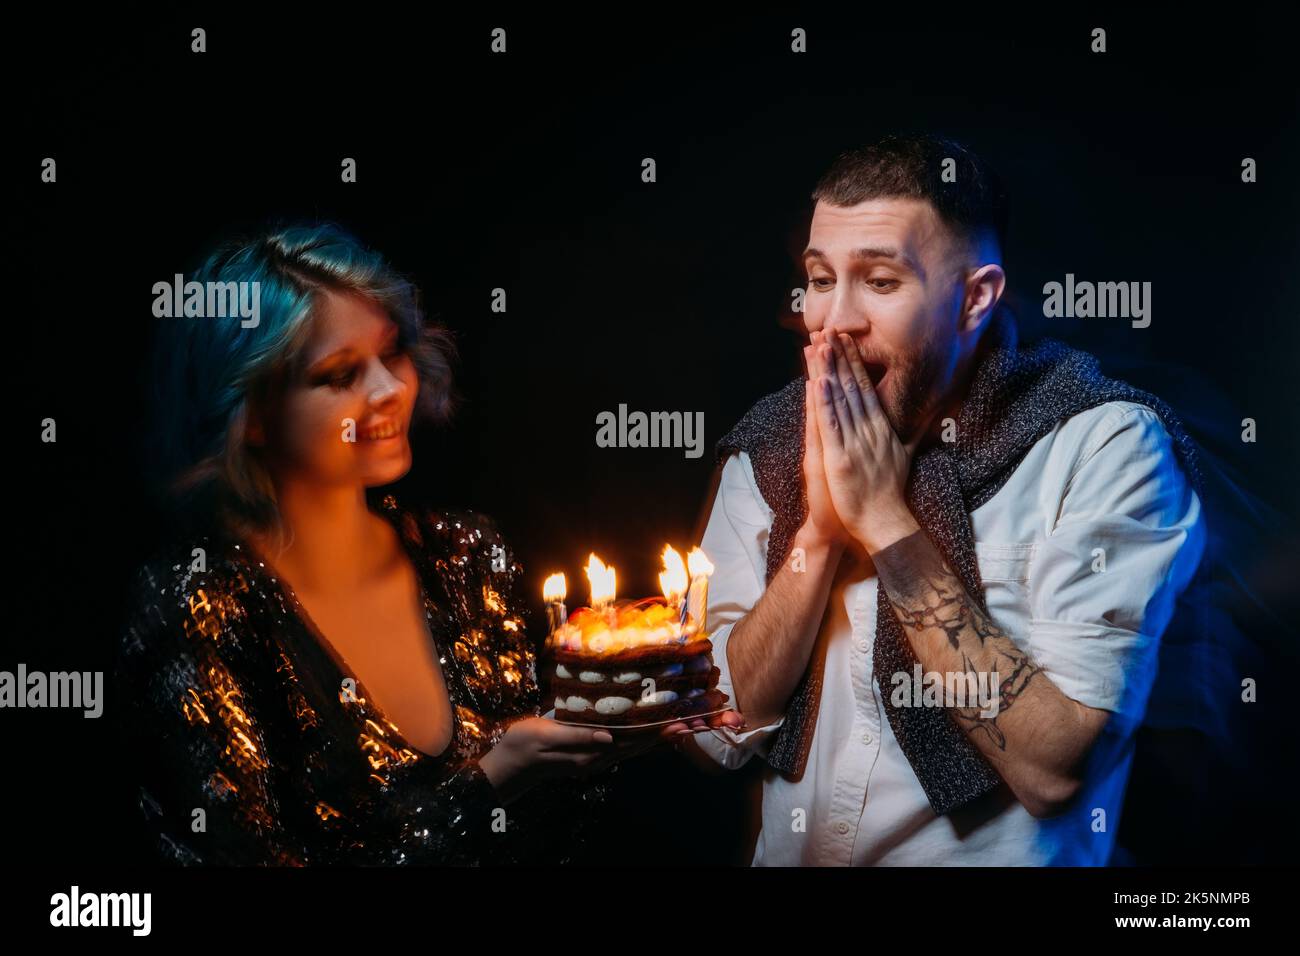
column 875, row 363
column 870, row 359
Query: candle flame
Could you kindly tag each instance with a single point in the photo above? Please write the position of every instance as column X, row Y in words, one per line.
column 602, row 581
column 673, row 578
column 699, row 563
column 554, row 588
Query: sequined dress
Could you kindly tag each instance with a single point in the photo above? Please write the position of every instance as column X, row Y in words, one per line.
column 255, row 748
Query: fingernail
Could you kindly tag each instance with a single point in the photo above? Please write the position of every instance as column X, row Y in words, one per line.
column 604, row 736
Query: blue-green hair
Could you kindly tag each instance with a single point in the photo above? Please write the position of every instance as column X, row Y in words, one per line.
column 211, row 372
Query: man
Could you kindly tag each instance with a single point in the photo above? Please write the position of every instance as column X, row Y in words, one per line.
column 943, row 560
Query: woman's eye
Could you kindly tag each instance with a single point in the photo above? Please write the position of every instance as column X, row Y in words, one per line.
column 341, row 380
column 817, row 282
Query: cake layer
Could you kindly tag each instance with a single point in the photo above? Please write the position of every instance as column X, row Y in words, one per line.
column 678, row 684
column 644, row 656
column 681, row 709
column 599, row 672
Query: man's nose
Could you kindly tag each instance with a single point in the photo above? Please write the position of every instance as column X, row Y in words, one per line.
column 844, row 315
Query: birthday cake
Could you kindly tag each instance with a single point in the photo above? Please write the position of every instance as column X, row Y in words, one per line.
column 629, row 665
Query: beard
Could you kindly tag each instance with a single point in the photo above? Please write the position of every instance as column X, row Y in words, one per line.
column 909, row 399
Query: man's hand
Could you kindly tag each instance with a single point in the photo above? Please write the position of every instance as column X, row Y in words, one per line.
column 633, row 742
column 866, row 466
column 823, row 525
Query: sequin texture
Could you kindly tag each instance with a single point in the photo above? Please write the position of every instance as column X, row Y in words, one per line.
column 242, row 721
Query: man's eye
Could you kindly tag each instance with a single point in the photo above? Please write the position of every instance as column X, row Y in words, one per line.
column 881, row 285
column 816, row 283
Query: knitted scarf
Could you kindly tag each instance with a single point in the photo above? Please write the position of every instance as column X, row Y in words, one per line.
column 1016, row 396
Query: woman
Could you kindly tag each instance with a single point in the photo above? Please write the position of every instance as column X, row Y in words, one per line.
column 316, row 672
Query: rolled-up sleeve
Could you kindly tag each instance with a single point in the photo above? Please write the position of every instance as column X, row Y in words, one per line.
column 736, row 542
column 1127, row 538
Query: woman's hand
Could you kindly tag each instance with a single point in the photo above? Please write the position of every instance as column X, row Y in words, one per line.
column 631, row 742
column 535, row 749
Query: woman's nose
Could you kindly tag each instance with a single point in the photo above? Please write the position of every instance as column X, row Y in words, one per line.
column 385, row 386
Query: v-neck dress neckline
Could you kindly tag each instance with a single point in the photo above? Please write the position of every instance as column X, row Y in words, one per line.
column 339, row 662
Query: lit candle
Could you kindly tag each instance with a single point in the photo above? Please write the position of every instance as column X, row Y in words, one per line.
column 602, row 586
column 553, row 591
column 673, row 578
column 697, row 599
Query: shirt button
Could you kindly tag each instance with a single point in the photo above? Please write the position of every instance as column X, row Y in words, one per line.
column 842, row 827
column 862, row 646
column 866, row 738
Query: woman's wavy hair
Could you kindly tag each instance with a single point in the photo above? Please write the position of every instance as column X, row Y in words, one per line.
column 210, row 373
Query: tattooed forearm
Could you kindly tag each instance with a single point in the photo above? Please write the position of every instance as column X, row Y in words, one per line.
column 934, row 598
column 927, row 596
column 1019, row 670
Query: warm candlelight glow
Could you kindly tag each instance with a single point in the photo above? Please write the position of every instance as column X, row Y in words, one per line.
column 602, row 581
column 696, row 608
column 554, row 588
column 699, row 563
column 673, row 578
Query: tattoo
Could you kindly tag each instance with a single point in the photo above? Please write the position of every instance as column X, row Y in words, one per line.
column 927, row 596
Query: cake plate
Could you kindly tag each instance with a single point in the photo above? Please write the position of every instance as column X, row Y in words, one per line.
column 657, row 723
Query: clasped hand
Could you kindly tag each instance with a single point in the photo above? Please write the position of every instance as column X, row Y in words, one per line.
column 855, row 466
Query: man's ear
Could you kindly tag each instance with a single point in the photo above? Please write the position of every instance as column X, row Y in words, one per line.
column 983, row 292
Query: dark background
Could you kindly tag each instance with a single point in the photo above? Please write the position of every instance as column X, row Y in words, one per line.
column 523, row 172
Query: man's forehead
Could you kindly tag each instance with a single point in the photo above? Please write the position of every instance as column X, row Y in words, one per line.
column 901, row 220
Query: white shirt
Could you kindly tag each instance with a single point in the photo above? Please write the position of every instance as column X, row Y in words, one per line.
column 1105, row 478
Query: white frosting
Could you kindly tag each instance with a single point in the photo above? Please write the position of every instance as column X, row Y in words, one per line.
column 659, row 697
column 694, row 666
column 620, row 705
column 613, row 705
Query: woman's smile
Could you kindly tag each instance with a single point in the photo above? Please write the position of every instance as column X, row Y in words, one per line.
column 385, row 431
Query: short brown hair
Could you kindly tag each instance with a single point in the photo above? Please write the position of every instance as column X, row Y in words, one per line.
column 911, row 166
